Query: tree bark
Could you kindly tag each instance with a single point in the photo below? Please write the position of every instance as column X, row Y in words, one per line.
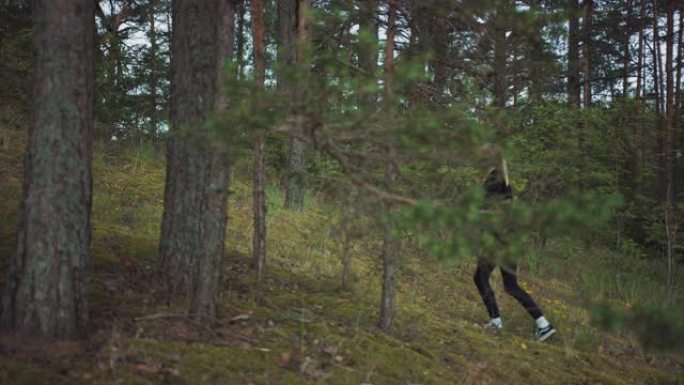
column 669, row 100
column 46, row 291
column 416, row 50
column 677, row 124
column 515, row 81
column 638, row 150
column 292, row 35
column 345, row 220
column 154, row 81
column 368, row 55
column 194, row 219
column 626, row 58
column 500, row 48
column 661, row 77
column 259, row 198
column 669, row 58
column 390, row 257
column 662, row 187
column 640, row 58
column 368, row 25
column 656, row 60
column 678, row 76
column 586, row 53
column 389, row 249
column 439, row 44
column 241, row 9
column 535, row 88
column 389, row 47
column 573, row 87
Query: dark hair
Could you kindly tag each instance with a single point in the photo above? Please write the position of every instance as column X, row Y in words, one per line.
column 496, row 186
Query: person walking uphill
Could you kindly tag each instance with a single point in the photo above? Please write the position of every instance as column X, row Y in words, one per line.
column 497, row 187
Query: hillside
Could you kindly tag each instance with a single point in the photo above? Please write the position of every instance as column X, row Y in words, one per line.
column 299, row 327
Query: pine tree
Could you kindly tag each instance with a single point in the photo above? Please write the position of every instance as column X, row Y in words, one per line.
column 195, row 198
column 293, row 33
column 47, row 286
column 259, row 178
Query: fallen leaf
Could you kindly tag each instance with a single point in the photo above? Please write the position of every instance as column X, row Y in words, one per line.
column 332, row 350
column 265, row 350
column 285, row 357
column 172, row 371
column 240, row 317
column 146, row 369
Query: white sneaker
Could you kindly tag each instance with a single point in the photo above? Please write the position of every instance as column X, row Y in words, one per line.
column 493, row 325
column 542, row 334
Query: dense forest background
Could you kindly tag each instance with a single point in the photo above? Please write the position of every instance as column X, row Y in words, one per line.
column 294, row 187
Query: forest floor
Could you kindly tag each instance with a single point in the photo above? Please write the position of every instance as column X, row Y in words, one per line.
column 298, row 326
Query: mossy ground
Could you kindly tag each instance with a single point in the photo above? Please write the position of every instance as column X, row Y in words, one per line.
column 298, row 326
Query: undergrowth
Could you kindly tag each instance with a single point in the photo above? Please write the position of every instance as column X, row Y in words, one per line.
column 299, row 326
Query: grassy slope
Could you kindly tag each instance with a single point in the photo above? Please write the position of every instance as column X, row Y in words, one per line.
column 301, row 329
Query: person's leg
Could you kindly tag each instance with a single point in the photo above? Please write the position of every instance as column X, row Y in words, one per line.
column 511, row 286
column 481, row 278
column 544, row 328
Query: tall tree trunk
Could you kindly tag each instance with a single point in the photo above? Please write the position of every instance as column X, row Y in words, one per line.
column 439, row 45
column 421, row 36
column 640, row 58
column 669, row 58
column 656, row 59
column 660, row 134
column 389, row 47
column 626, row 58
column 368, row 54
column 515, row 78
column 368, row 63
column 500, row 48
column 46, row 290
column 573, row 56
column 677, row 124
column 535, row 49
column 346, row 216
column 294, row 193
column 638, row 150
column 669, row 102
column 240, row 11
column 194, row 219
column 389, row 249
column 259, row 198
column 586, row 52
column 678, row 76
column 626, row 63
column 154, row 81
column 661, row 76
column 390, row 256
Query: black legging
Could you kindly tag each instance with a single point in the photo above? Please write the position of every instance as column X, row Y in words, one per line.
column 484, row 270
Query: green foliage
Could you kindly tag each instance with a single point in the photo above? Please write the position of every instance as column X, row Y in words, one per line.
column 608, row 316
column 582, row 174
column 305, row 318
column 249, row 106
column 659, row 327
column 274, row 198
column 132, row 73
column 16, row 37
column 583, row 181
column 500, row 230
